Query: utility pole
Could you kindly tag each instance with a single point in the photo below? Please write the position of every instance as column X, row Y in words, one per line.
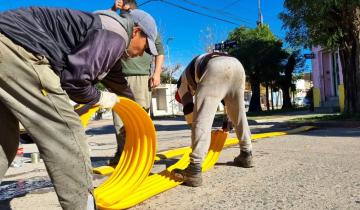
column 260, row 20
column 171, row 72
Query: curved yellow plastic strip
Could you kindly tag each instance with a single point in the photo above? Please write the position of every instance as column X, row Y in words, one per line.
column 137, row 158
column 163, row 181
column 138, row 155
column 105, row 170
column 130, row 184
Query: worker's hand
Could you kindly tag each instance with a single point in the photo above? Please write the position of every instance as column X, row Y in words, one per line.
column 155, row 80
column 118, row 5
column 108, row 100
column 189, row 118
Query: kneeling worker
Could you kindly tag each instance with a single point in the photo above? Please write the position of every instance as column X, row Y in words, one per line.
column 206, row 81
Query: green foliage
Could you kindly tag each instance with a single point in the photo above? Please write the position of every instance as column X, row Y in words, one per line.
column 259, row 51
column 262, row 56
column 167, row 74
column 166, row 78
column 334, row 25
column 322, row 22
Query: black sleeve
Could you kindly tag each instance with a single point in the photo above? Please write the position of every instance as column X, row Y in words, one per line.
column 116, row 82
column 89, row 63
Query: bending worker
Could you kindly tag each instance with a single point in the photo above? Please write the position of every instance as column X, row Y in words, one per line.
column 209, row 79
column 137, row 73
column 48, row 56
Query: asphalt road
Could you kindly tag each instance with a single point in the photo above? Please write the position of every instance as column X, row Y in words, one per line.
column 319, row 169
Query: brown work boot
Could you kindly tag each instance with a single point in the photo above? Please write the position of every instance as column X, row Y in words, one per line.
column 244, row 159
column 190, row 176
column 115, row 160
column 120, row 140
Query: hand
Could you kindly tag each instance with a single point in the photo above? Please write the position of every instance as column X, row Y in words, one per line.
column 108, row 100
column 189, row 118
column 155, row 80
column 118, row 5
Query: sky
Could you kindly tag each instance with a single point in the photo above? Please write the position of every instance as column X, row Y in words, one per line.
column 185, row 34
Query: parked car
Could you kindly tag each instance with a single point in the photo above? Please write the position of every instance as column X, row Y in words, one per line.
column 302, row 101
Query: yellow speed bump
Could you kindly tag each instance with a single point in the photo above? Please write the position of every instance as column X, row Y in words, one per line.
column 137, row 158
column 105, row 170
column 163, row 181
column 130, row 182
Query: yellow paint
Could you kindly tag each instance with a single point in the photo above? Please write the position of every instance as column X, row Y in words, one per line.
column 43, row 91
column 316, row 96
column 130, row 183
column 341, row 98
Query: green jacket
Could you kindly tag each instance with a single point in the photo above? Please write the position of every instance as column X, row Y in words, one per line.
column 141, row 65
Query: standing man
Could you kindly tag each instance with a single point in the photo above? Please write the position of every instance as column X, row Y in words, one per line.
column 209, row 79
column 137, row 72
column 48, row 56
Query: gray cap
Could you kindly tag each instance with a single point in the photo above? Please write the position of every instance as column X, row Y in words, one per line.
column 148, row 25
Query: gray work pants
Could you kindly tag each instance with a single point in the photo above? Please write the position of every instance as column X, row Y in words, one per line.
column 224, row 78
column 139, row 85
column 30, row 92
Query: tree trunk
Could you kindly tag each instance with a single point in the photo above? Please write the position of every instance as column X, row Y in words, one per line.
column 267, row 96
column 255, row 97
column 272, row 98
column 351, row 75
column 286, row 97
column 350, row 60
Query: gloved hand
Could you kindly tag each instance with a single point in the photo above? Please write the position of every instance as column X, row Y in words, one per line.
column 108, row 100
column 189, row 118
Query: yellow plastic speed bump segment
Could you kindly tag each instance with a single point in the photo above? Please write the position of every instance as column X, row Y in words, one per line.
column 234, row 141
column 137, row 158
column 130, row 183
column 163, row 181
column 138, row 155
column 85, row 112
column 229, row 142
column 103, row 170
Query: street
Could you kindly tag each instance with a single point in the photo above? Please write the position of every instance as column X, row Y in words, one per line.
column 318, row 169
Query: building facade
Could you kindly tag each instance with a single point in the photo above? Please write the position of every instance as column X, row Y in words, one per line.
column 328, row 84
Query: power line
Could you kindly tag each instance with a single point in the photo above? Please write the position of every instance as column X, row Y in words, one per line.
column 193, row 11
column 146, row 2
column 217, row 11
column 190, row 10
column 199, row 13
column 229, row 5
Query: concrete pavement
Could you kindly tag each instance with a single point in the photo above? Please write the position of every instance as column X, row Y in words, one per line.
column 315, row 170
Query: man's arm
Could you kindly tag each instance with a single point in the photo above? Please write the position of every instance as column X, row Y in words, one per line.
column 118, row 4
column 159, row 61
column 116, row 82
column 155, row 77
column 87, row 64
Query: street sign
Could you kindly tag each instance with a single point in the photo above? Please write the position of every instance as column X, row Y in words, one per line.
column 225, row 45
column 309, row 56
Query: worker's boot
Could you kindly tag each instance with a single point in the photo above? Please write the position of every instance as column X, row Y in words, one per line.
column 115, row 160
column 190, row 176
column 244, row 159
column 120, row 147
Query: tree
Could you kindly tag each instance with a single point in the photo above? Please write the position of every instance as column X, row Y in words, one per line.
column 285, row 80
column 167, row 74
column 333, row 24
column 272, row 66
column 260, row 53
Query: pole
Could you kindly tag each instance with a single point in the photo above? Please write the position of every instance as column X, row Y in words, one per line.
column 260, row 20
column 171, row 72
